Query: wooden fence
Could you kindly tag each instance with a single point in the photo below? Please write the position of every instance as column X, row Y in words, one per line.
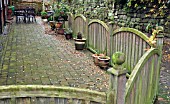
column 44, row 94
column 142, row 60
column 131, row 42
column 98, row 36
column 142, row 85
column 80, row 25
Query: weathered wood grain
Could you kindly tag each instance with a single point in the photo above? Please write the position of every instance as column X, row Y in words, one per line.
column 141, row 87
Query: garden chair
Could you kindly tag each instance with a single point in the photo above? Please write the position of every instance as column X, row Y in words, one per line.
column 30, row 14
column 20, row 15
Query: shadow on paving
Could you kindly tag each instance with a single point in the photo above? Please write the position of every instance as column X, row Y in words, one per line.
column 29, row 56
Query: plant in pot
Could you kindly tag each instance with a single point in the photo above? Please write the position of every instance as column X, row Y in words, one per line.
column 104, row 61
column 68, row 33
column 95, row 57
column 80, row 38
column 61, row 12
column 44, row 15
column 79, row 42
column 51, row 22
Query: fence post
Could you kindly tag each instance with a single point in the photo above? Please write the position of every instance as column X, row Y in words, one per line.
column 111, row 39
column 87, row 32
column 117, row 81
column 159, row 43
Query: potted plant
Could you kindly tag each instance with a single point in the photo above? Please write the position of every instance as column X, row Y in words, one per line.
column 95, row 57
column 52, row 24
column 80, row 38
column 44, row 15
column 61, row 11
column 80, row 42
column 60, row 31
column 58, row 25
column 104, row 61
column 68, row 33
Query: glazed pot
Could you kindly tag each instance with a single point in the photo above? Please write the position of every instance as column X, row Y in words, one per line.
column 79, row 45
column 103, row 61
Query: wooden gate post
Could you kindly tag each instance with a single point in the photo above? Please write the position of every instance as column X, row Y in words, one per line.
column 117, row 82
column 159, row 38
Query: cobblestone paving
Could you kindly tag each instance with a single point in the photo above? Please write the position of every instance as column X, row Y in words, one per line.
column 31, row 57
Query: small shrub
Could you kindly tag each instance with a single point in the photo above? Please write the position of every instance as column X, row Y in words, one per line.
column 79, row 35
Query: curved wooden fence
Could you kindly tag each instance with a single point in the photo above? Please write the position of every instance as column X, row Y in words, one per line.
column 80, row 25
column 142, row 85
column 70, row 20
column 131, row 42
column 40, row 94
column 98, row 36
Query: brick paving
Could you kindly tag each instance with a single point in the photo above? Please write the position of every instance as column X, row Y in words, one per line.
column 30, row 56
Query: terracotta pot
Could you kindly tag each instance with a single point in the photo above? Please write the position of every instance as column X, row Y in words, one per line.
column 95, row 58
column 68, row 36
column 60, row 31
column 58, row 25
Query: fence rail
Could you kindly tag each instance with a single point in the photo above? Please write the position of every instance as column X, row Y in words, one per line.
column 142, row 85
column 98, row 36
column 80, row 25
column 40, row 94
column 131, row 42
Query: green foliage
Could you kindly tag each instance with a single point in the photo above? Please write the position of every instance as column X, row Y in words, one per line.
column 158, row 6
column 61, row 9
column 43, row 13
column 68, row 31
column 50, row 18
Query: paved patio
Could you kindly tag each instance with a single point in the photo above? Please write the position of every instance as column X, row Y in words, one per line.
column 30, row 56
